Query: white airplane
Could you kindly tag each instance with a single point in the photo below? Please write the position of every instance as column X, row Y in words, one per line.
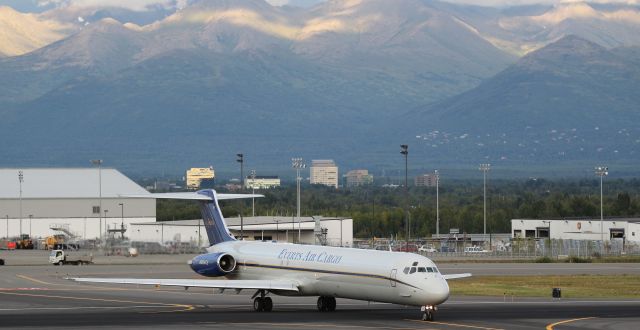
column 303, row 270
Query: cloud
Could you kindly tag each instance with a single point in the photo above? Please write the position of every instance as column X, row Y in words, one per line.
column 137, row 5
column 529, row 2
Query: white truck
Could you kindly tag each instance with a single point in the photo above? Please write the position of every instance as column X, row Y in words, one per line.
column 63, row 257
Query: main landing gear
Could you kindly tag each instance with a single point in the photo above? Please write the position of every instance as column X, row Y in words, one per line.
column 428, row 312
column 262, row 303
column 326, row 304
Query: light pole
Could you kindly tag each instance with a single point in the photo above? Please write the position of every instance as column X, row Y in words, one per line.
column 122, row 223
column 601, row 171
column 30, row 218
column 20, row 179
column 548, row 222
column 437, row 204
column 105, row 220
column 241, row 161
column 298, row 164
column 7, row 226
column 485, row 168
column 404, row 150
column 98, row 162
column 253, row 191
column 341, row 232
column 277, row 231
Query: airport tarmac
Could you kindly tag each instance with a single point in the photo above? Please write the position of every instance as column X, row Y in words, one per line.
column 37, row 296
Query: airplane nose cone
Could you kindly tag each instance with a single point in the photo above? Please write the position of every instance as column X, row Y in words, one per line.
column 440, row 292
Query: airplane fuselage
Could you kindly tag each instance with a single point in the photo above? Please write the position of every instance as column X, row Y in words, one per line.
column 370, row 275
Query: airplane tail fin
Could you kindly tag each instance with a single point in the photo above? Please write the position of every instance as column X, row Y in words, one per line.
column 214, row 223
column 212, row 218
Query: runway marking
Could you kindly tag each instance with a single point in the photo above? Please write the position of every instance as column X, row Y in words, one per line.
column 24, row 289
column 75, row 308
column 299, row 325
column 32, row 279
column 550, row 326
column 186, row 307
column 455, row 324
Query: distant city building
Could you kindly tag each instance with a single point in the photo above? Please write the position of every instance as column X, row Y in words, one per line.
column 196, row 175
column 358, row 178
column 426, row 180
column 324, row 172
column 262, row 182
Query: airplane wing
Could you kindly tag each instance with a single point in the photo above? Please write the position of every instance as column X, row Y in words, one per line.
column 282, row 285
column 455, row 276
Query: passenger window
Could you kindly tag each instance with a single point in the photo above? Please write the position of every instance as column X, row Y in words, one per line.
column 406, row 270
column 430, row 270
column 413, row 270
column 421, row 270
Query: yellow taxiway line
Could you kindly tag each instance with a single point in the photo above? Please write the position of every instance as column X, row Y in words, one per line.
column 550, row 326
column 184, row 307
column 455, row 325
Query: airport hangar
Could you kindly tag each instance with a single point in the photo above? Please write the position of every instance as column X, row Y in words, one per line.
column 71, row 198
column 626, row 230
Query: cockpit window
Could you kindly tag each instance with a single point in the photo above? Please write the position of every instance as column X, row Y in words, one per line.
column 413, row 270
column 430, row 269
column 435, row 269
column 415, row 263
column 421, row 270
column 406, row 270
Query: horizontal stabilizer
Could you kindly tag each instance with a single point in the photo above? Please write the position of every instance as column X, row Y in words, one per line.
column 219, row 284
column 455, row 276
column 193, row 196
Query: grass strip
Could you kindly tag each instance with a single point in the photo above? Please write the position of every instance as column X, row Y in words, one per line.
column 572, row 286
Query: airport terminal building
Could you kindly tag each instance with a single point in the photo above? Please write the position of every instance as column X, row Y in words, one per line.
column 309, row 230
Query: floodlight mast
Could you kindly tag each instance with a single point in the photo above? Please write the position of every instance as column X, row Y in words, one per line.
column 298, row 164
column 437, row 174
column 404, row 150
column 20, row 179
column 601, row 171
column 253, row 191
column 99, row 163
column 241, row 161
column 485, row 168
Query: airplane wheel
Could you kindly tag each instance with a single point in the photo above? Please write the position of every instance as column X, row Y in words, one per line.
column 258, row 304
column 267, row 304
column 427, row 316
column 331, row 304
column 322, row 304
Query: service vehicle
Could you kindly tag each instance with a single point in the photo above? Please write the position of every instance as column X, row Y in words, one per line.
column 427, row 248
column 64, row 257
column 474, row 249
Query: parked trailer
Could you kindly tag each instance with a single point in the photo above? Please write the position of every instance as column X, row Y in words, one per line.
column 62, row 257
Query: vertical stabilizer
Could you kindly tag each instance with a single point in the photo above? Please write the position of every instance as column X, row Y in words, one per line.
column 214, row 223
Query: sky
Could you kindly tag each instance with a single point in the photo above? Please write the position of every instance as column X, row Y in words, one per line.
column 139, row 5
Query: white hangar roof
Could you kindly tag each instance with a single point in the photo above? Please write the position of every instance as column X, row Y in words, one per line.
column 66, row 183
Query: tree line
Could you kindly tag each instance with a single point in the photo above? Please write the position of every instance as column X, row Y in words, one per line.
column 380, row 211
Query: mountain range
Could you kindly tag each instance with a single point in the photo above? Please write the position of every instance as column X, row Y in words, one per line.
column 166, row 89
column 573, row 101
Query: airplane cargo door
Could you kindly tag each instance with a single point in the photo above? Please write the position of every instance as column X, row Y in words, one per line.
column 393, row 277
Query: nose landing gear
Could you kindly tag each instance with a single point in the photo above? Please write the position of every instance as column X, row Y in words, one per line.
column 428, row 312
